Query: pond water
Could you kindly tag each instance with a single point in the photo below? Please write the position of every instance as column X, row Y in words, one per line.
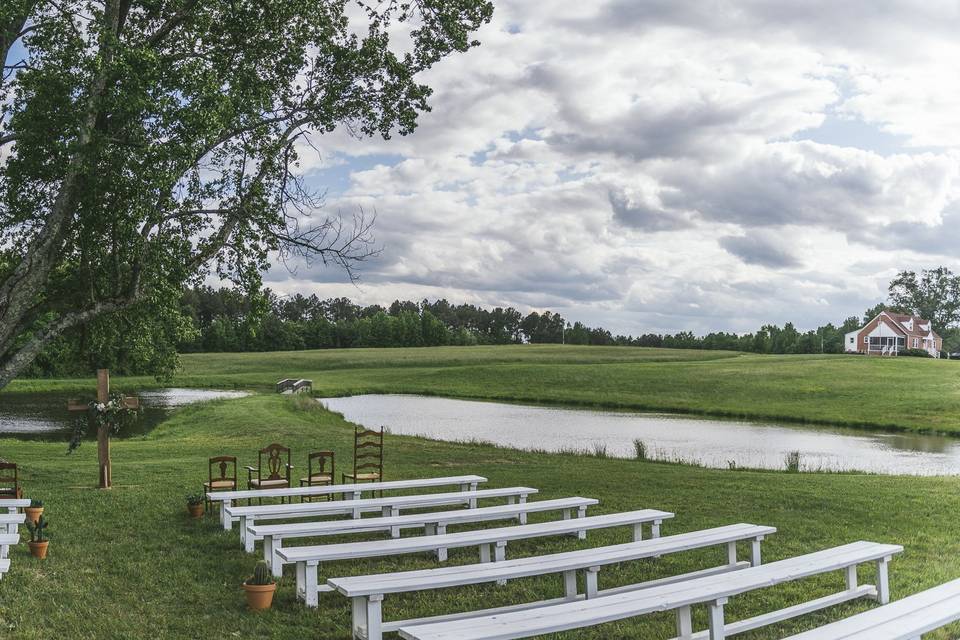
column 713, row 443
column 45, row 415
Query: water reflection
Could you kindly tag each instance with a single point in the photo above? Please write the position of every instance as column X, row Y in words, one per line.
column 45, row 415
column 714, row 443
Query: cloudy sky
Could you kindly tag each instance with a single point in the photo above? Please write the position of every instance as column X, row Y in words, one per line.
column 664, row 165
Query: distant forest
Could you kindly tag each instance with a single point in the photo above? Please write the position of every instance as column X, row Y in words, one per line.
column 224, row 320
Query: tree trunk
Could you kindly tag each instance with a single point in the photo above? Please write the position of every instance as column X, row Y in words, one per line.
column 103, row 433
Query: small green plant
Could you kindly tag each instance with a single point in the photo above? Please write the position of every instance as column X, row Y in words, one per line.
column 261, row 575
column 36, row 503
column 640, row 449
column 732, row 465
column 792, row 461
column 194, row 499
column 38, row 531
column 600, row 450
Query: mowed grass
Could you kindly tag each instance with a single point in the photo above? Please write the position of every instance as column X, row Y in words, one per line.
column 128, row 563
column 898, row 393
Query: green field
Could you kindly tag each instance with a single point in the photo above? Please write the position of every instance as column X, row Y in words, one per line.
column 128, row 563
column 900, row 393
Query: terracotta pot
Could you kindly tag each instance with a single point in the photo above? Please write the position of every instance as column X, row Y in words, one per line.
column 196, row 510
column 33, row 513
column 259, row 596
column 38, row 549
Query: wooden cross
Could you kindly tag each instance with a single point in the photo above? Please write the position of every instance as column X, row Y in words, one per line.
column 103, row 433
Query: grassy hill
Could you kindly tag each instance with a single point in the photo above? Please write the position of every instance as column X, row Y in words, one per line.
column 899, row 393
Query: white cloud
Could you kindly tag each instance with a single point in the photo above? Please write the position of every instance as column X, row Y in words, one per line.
column 640, row 164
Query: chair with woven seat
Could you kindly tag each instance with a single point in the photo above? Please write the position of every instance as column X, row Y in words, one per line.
column 9, row 480
column 320, row 471
column 224, row 480
column 367, row 456
column 271, row 470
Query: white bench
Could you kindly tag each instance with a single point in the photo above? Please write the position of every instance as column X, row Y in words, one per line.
column 367, row 592
column 389, row 506
column 12, row 505
column 308, row 559
column 434, row 523
column 905, row 619
column 354, row 491
column 7, row 540
column 712, row 590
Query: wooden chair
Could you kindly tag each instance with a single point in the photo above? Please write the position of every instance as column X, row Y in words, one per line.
column 9, row 480
column 367, row 456
column 323, row 475
column 224, row 480
column 275, row 474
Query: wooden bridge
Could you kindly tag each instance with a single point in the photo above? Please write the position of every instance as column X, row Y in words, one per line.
column 294, row 385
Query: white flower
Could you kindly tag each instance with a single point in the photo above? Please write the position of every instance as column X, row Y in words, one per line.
column 101, row 406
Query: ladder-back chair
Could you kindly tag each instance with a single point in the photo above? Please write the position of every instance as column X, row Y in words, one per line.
column 367, row 456
column 222, row 473
column 9, row 480
column 320, row 471
column 272, row 470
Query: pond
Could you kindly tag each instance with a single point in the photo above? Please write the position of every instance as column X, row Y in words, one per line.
column 709, row 442
column 45, row 416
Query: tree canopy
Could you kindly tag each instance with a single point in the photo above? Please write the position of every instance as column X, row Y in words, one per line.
column 147, row 144
column 932, row 294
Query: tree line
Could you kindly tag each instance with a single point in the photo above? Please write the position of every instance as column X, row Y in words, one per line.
column 228, row 320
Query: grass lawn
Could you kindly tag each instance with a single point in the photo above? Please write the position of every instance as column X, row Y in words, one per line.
column 128, row 563
column 901, row 393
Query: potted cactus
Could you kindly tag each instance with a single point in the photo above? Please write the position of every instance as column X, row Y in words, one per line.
column 38, row 538
column 195, row 504
column 260, row 587
column 34, row 511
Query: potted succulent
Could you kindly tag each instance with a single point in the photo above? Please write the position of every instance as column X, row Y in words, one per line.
column 38, row 538
column 195, row 504
column 260, row 587
column 34, row 511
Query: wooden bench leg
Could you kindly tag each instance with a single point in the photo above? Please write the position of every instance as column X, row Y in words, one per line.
column 582, row 513
column 850, row 577
column 358, row 608
column 485, row 553
column 311, row 578
column 684, row 624
column 637, row 532
column 731, row 553
column 883, row 580
column 499, row 555
column 249, row 542
column 243, row 529
column 276, row 564
column 301, row 580
column 374, row 617
column 224, row 518
column 755, row 551
column 717, row 631
column 570, row 585
column 268, row 550
column 590, row 576
column 655, row 528
column 442, row 551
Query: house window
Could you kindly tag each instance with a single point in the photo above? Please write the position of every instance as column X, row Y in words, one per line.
column 916, row 343
column 866, row 340
column 853, row 340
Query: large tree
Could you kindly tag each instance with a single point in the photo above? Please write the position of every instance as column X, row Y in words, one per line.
column 933, row 294
column 145, row 144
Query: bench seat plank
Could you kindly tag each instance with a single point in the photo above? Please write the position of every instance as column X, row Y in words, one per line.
column 308, row 558
column 366, row 590
column 439, row 578
column 710, row 589
column 389, row 506
column 434, row 522
column 465, row 482
column 901, row 620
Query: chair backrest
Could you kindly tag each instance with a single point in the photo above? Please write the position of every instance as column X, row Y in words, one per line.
column 323, row 461
column 8, row 477
column 368, row 450
column 276, row 466
column 222, row 464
